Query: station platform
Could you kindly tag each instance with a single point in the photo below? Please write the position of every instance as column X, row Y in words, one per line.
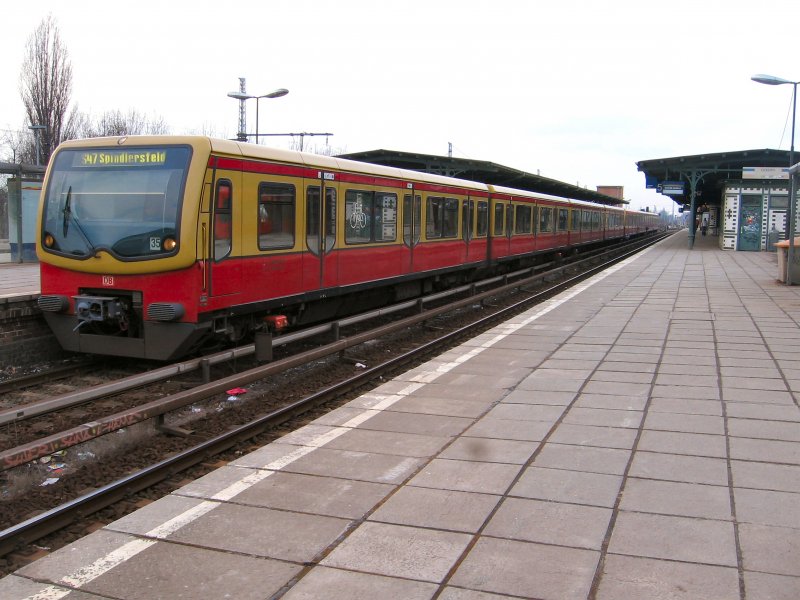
column 19, row 281
column 635, row 437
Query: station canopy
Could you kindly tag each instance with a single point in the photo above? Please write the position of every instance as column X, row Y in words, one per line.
column 482, row 172
column 673, row 176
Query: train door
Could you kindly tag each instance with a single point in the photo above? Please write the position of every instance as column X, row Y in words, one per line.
column 412, row 224
column 225, row 268
column 499, row 238
column 320, row 264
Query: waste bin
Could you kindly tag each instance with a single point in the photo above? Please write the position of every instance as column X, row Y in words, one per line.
column 783, row 261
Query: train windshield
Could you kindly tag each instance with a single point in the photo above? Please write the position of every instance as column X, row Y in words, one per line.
column 124, row 201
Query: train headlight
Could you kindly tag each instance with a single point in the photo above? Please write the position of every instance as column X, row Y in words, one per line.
column 170, row 244
column 49, row 240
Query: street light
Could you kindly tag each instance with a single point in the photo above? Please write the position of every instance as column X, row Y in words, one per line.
column 36, row 129
column 791, row 213
column 242, row 97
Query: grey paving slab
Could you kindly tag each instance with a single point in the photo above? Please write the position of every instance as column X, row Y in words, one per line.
column 361, row 466
column 490, row 450
column 770, row 549
column 526, row 412
column 767, row 507
column 399, row 551
column 557, row 485
column 687, row 423
column 452, row 407
column 553, row 523
column 677, row 498
column 302, row 493
column 674, row 538
column 603, row 417
column 337, row 584
column 507, row 429
column 262, row 532
column 695, row 444
column 539, row 397
column 19, row 587
column 684, row 406
column 437, row 509
column 765, row 450
column 610, row 461
column 775, row 587
column 634, row 578
column 758, row 475
column 527, row 570
column 768, row 430
column 389, row 442
column 611, row 402
column 675, row 467
column 432, row 425
column 760, row 396
column 466, row 476
column 590, row 435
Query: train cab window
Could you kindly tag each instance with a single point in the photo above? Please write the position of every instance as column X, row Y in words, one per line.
column 467, row 210
column 313, row 219
column 522, row 219
column 222, row 219
column 499, row 219
column 562, row 220
column 442, row 218
column 276, row 216
column 482, row 220
column 545, row 219
column 412, row 220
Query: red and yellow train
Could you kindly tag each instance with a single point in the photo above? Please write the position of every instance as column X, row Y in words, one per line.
column 154, row 246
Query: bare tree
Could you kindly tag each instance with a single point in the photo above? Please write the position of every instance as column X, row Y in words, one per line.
column 46, row 86
column 115, row 122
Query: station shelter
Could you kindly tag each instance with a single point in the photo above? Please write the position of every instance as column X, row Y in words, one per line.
column 743, row 195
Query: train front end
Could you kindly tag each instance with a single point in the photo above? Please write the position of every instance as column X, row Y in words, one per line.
column 117, row 244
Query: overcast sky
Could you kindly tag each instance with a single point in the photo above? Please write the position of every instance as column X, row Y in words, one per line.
column 576, row 90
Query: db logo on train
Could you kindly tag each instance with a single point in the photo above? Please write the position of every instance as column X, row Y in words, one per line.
column 108, row 280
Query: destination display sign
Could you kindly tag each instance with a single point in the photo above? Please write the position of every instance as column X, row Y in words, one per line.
column 120, row 158
column 765, row 172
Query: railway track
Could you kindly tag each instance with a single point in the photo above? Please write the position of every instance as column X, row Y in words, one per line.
column 200, row 445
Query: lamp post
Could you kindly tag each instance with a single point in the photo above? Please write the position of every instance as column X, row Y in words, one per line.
column 242, row 97
column 36, row 129
column 791, row 213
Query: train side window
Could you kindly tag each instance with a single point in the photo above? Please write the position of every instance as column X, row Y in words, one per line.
column 466, row 219
column 499, row 220
column 433, row 218
column 407, row 219
column 384, row 226
column 222, row 219
column 276, row 216
column 482, row 221
column 586, row 220
column 563, row 218
column 596, row 221
column 545, row 219
column 450, row 218
column 522, row 219
column 358, row 216
column 575, row 220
